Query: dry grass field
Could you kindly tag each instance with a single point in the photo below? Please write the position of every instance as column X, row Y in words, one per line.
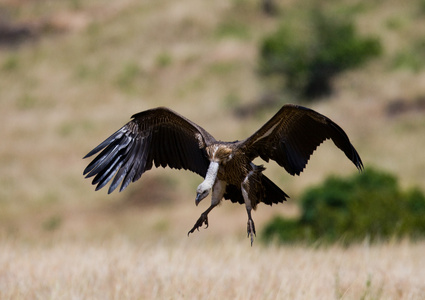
column 209, row 269
column 92, row 64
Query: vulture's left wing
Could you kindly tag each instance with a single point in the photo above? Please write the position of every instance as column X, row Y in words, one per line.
column 292, row 135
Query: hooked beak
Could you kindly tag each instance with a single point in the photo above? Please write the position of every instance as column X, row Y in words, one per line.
column 198, row 199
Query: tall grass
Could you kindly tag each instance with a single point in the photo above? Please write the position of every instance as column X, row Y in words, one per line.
column 209, row 269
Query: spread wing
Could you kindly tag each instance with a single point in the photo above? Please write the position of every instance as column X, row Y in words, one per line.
column 292, row 135
column 157, row 137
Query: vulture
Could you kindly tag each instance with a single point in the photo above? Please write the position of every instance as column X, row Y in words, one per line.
column 162, row 137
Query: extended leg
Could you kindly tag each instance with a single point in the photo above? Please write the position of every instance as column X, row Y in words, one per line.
column 250, row 226
column 245, row 193
column 202, row 219
column 217, row 194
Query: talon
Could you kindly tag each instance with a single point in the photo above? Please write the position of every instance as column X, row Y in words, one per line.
column 202, row 219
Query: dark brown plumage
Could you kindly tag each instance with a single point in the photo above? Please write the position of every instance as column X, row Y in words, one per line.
column 162, row 137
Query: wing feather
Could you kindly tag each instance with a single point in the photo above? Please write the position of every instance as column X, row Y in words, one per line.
column 292, row 135
column 128, row 162
column 115, row 144
column 138, row 164
column 157, row 137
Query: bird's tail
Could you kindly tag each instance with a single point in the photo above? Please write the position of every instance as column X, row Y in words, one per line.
column 272, row 193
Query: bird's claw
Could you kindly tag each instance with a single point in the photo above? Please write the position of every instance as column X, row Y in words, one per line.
column 251, row 230
column 203, row 219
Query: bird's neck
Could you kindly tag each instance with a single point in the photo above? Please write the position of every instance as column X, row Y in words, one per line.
column 211, row 174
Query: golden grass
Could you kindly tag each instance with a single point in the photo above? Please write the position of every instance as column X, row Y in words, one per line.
column 209, row 269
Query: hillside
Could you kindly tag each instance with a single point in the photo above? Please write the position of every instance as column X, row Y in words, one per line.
column 92, row 65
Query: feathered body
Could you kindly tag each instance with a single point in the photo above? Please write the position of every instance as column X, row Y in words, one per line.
column 234, row 167
column 162, row 137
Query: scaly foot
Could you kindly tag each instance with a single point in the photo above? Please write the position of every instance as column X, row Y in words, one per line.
column 251, row 230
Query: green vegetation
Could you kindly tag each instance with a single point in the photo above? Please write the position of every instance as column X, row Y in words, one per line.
column 26, row 102
column 412, row 58
column 233, row 29
column 52, row 223
column 127, row 77
column 310, row 57
column 11, row 63
column 366, row 205
column 163, row 60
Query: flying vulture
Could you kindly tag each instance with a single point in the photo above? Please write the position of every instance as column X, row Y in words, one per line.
column 162, row 137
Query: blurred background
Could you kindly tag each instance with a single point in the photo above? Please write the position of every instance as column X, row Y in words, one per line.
column 73, row 72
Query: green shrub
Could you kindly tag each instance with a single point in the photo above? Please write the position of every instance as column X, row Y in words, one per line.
column 367, row 205
column 309, row 57
column 292, row 230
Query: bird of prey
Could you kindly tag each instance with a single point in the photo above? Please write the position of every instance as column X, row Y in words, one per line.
column 162, row 137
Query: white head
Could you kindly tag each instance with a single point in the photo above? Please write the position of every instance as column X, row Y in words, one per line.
column 202, row 191
column 204, row 188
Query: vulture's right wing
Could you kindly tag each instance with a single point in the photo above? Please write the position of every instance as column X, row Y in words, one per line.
column 157, row 136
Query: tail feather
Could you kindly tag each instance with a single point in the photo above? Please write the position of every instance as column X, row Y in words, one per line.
column 272, row 193
column 266, row 191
